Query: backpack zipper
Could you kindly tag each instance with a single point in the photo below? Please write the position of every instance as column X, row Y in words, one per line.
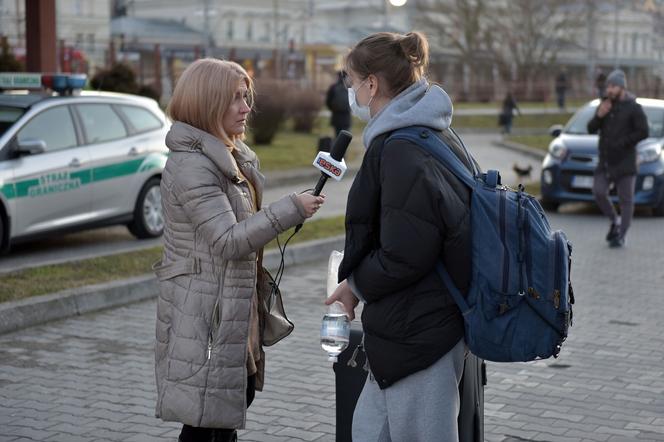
column 556, row 284
column 503, row 233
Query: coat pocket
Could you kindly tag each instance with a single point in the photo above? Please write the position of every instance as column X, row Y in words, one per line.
column 186, row 266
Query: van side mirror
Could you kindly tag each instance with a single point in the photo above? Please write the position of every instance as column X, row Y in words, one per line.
column 31, row 146
column 556, row 130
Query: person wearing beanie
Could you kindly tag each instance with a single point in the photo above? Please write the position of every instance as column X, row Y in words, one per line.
column 621, row 124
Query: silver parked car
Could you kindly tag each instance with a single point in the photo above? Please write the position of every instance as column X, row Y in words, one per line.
column 75, row 162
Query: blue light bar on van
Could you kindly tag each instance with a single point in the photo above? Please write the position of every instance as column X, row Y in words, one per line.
column 60, row 83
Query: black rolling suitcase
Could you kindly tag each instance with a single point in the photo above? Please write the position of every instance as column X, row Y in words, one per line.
column 350, row 380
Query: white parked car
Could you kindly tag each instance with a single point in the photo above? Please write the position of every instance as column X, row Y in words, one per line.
column 75, row 161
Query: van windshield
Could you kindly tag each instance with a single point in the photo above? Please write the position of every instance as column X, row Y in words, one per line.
column 578, row 125
column 9, row 116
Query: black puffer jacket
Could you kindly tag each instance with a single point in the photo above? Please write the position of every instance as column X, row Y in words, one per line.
column 405, row 211
column 619, row 132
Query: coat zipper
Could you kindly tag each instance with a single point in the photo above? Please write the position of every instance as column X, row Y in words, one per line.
column 213, row 328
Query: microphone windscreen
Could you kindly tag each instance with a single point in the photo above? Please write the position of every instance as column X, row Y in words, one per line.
column 338, row 149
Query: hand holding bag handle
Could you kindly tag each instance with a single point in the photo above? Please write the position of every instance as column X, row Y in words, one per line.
column 275, row 325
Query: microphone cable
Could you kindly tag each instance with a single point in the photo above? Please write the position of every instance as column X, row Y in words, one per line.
column 282, row 250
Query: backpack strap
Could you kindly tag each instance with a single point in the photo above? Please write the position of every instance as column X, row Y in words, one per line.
column 452, row 288
column 425, row 138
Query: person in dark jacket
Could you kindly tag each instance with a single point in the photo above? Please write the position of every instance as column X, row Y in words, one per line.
column 337, row 101
column 621, row 124
column 405, row 212
column 507, row 112
column 561, row 89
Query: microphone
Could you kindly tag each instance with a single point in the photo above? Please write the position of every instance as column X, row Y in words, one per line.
column 331, row 165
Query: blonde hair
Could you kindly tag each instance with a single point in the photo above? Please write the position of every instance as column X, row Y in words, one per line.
column 400, row 59
column 204, row 93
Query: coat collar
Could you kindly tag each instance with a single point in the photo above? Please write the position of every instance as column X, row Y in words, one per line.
column 183, row 137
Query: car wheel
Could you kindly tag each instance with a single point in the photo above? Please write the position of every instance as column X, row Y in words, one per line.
column 549, row 205
column 658, row 210
column 148, row 216
column 2, row 236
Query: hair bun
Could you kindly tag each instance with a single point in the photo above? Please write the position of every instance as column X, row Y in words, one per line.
column 416, row 49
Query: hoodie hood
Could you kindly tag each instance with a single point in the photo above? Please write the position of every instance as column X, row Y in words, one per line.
column 420, row 104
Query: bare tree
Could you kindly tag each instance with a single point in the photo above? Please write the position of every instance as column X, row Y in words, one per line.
column 528, row 35
column 458, row 26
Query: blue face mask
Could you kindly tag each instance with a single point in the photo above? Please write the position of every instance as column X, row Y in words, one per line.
column 361, row 112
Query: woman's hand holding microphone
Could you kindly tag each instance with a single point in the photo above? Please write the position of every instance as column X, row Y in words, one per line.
column 311, row 203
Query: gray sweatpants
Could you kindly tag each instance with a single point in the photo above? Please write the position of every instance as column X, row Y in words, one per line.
column 422, row 407
column 625, row 189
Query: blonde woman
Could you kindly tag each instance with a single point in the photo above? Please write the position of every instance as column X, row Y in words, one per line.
column 209, row 359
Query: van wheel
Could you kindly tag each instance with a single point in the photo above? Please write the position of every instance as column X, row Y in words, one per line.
column 658, row 210
column 549, row 206
column 3, row 248
column 148, row 216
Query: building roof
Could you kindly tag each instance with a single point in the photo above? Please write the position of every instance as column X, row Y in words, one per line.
column 152, row 30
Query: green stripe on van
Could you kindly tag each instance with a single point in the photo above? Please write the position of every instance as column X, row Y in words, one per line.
column 116, row 170
column 21, row 189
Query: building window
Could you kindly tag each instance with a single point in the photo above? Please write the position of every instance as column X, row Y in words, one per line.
column 91, row 42
column 635, row 42
column 79, row 40
column 250, row 30
column 267, row 35
column 229, row 29
column 285, row 32
column 78, row 7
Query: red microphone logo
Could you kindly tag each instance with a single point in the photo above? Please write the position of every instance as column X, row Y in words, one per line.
column 334, row 170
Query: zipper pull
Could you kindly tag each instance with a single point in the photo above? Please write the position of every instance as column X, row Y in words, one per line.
column 209, row 352
column 351, row 362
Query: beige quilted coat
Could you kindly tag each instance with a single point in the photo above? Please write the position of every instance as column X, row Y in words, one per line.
column 207, row 277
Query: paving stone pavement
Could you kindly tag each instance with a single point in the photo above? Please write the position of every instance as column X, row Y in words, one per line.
column 90, row 378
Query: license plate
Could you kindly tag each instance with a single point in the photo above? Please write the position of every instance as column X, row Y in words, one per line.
column 582, row 182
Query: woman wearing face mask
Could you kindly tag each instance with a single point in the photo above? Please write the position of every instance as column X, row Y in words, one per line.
column 209, row 359
column 405, row 212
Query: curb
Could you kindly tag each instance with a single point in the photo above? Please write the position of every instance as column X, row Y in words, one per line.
column 37, row 310
column 517, row 147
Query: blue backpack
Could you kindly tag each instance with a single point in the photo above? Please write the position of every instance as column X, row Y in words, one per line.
column 518, row 307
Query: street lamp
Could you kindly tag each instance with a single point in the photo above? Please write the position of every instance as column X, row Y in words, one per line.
column 394, row 3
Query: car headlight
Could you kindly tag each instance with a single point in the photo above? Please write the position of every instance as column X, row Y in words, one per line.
column 557, row 150
column 650, row 153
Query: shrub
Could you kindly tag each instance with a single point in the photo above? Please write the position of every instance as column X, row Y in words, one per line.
column 119, row 78
column 305, row 104
column 8, row 63
column 149, row 91
column 269, row 110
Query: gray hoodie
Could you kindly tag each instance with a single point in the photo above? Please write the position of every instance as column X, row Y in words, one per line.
column 420, row 104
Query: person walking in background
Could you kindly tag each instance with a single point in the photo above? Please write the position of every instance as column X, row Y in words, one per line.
column 621, row 124
column 336, row 101
column 507, row 113
column 209, row 359
column 600, row 84
column 561, row 89
column 405, row 211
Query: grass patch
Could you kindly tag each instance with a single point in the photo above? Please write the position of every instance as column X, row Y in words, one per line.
column 522, row 104
column 54, row 278
column 291, row 150
column 533, row 187
column 527, row 121
column 540, row 142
